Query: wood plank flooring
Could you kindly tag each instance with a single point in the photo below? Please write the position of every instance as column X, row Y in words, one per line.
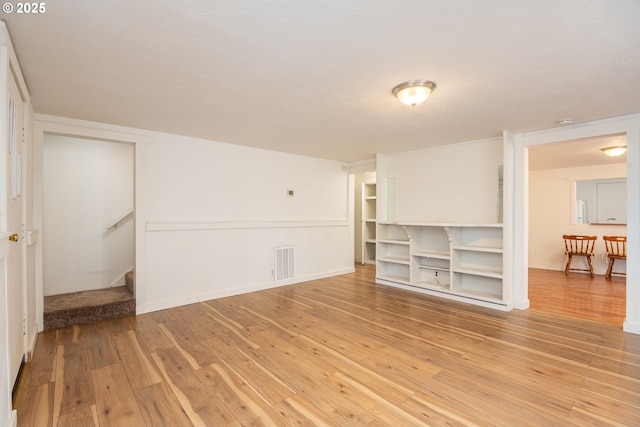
column 340, row 351
column 578, row 295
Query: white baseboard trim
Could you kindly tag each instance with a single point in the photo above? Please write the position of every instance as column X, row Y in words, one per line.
column 521, row 305
column 221, row 293
column 12, row 420
column 32, row 338
column 631, row 327
column 454, row 297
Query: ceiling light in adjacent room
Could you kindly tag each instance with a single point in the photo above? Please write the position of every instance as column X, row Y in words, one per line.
column 618, row 150
column 414, row 92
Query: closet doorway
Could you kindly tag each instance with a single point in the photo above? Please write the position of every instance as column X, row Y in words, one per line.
column 364, row 216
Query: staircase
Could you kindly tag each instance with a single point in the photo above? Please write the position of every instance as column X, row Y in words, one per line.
column 90, row 306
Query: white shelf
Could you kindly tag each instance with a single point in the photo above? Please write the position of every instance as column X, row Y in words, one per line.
column 394, row 278
column 392, row 233
column 435, row 255
column 460, row 261
column 368, row 217
column 430, row 267
column 479, row 271
column 394, row 242
column 395, row 260
column 436, row 287
column 477, row 248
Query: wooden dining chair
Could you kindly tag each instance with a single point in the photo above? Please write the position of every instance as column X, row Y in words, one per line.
column 616, row 247
column 576, row 245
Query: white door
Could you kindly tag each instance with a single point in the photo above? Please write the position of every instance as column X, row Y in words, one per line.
column 15, row 285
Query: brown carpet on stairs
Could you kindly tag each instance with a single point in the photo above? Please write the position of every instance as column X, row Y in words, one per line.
column 87, row 306
column 129, row 279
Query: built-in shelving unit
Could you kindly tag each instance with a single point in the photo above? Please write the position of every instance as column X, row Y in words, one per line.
column 430, row 256
column 393, row 260
column 459, row 261
column 368, row 223
column 476, row 262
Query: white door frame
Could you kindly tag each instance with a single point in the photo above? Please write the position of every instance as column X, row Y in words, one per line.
column 80, row 129
column 516, row 219
column 355, row 169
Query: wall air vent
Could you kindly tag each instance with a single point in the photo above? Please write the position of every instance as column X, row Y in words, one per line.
column 284, row 260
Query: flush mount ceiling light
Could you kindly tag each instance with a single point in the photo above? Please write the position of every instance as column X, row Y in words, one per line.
column 414, row 92
column 618, row 150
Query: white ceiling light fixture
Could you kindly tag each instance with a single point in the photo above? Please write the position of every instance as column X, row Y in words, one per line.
column 414, row 92
column 618, row 150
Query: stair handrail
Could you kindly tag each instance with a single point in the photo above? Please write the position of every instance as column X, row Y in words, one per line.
column 121, row 218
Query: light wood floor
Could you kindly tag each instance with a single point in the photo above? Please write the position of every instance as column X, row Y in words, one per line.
column 578, row 295
column 340, row 351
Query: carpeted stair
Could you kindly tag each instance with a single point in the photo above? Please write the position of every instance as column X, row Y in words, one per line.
column 129, row 281
column 89, row 306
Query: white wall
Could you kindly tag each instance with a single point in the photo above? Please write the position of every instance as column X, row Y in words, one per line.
column 194, row 180
column 209, row 214
column 87, row 185
column 453, row 183
column 550, row 197
column 215, row 212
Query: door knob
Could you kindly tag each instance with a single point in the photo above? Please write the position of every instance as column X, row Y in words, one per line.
column 13, row 237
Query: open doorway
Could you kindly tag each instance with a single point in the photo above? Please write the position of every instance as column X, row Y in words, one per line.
column 362, row 179
column 87, row 229
column 365, row 218
column 557, row 206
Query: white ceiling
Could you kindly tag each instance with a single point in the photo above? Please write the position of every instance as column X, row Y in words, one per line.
column 576, row 153
column 314, row 77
